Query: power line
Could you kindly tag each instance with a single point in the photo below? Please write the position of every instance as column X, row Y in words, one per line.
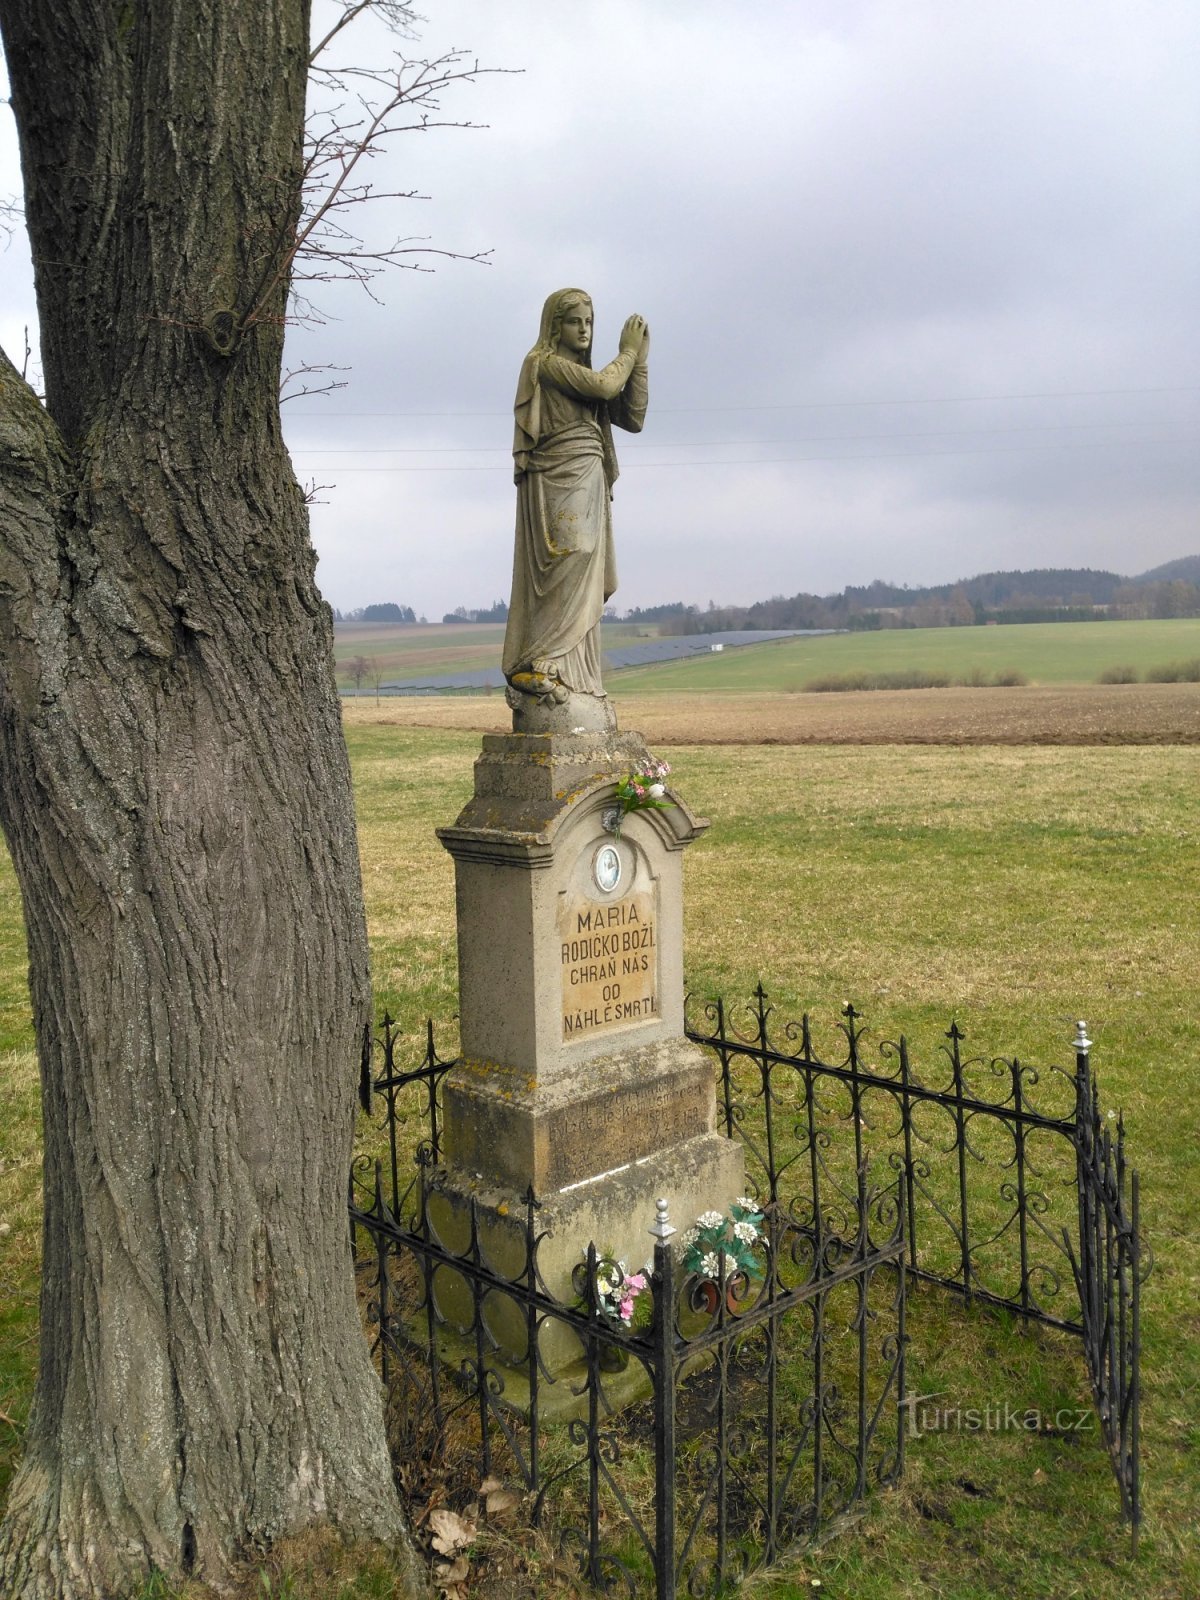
column 800, row 405
column 767, row 461
column 628, row 450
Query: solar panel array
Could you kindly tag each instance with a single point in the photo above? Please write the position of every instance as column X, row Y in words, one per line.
column 642, row 653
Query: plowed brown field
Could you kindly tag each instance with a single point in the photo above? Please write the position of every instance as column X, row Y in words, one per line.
column 1134, row 713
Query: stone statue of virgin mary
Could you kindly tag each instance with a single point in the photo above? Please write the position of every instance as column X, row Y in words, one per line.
column 564, row 568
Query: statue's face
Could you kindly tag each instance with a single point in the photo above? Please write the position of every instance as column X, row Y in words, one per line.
column 575, row 330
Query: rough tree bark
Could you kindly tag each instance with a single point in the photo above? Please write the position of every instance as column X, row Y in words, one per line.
column 175, row 792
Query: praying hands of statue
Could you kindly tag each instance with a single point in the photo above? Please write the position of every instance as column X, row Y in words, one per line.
column 635, row 336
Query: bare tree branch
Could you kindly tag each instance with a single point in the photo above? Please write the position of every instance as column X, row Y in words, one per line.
column 408, row 102
column 301, row 373
column 401, row 18
column 12, row 216
column 375, row 105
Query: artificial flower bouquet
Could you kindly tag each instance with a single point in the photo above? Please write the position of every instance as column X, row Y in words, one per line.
column 644, row 789
column 617, row 1290
column 735, row 1236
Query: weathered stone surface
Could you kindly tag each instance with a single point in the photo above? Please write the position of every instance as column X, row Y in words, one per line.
column 507, row 1127
column 576, row 1080
column 535, row 939
column 565, row 466
column 524, row 782
column 613, row 1210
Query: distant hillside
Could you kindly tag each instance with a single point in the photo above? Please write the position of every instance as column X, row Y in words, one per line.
column 1187, row 568
column 1056, row 585
column 1042, row 594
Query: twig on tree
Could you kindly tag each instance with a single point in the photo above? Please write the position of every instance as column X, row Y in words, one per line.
column 401, row 18
column 306, row 389
column 336, row 152
column 12, row 214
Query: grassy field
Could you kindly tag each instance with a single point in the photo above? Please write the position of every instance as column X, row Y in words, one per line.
column 1062, row 714
column 1013, row 888
column 415, row 651
column 1046, row 653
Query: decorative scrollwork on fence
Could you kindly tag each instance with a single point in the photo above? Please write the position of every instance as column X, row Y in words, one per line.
column 761, row 1404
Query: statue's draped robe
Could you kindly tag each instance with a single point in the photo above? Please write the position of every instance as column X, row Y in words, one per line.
column 564, row 567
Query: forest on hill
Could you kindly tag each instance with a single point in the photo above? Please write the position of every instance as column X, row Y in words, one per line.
column 1046, row 594
column 1043, row 594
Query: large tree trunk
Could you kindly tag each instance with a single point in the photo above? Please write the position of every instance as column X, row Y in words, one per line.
column 175, row 793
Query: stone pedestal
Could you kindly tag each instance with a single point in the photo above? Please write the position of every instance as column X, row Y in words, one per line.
column 576, row 1077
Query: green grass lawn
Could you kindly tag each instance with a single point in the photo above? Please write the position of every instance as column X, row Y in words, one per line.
column 1014, row 889
column 1059, row 652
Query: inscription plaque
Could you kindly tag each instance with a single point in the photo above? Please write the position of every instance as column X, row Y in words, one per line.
column 609, row 959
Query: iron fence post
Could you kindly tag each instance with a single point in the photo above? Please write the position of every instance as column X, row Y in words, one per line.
column 664, row 1404
column 1133, row 1457
column 1018, row 1134
column 960, row 1144
column 1084, row 1134
column 909, row 1169
column 381, row 1268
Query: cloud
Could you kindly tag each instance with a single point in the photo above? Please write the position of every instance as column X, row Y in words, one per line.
column 920, row 280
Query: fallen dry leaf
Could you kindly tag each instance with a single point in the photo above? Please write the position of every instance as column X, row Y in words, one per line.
column 501, row 1500
column 451, row 1577
column 451, row 1532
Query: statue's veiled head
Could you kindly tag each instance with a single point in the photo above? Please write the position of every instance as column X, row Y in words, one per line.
column 554, row 313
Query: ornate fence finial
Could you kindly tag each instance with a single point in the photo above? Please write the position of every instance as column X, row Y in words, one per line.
column 662, row 1229
column 1082, row 1043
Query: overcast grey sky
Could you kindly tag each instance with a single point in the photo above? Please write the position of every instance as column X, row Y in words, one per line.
column 922, row 280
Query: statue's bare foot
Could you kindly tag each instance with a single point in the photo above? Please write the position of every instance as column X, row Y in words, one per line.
column 555, row 690
column 541, row 685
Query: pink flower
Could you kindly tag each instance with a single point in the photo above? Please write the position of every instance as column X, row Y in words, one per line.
column 632, row 1286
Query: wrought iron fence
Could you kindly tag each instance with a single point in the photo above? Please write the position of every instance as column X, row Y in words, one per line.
column 1110, row 1263
column 1018, row 1194
column 737, row 1417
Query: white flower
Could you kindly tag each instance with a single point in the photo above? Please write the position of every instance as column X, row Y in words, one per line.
column 710, row 1219
column 745, row 1231
column 746, row 1203
column 710, row 1265
column 657, row 791
column 687, row 1239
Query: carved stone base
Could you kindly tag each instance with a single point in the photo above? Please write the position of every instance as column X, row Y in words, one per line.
column 578, row 713
column 557, row 965
column 563, row 1130
column 577, row 1081
column 613, row 1210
